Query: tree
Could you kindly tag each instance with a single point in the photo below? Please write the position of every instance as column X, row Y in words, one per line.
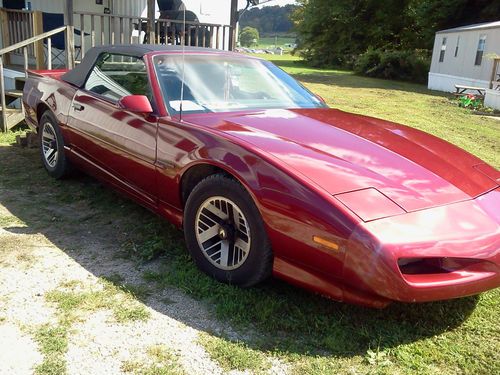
column 434, row 15
column 336, row 32
column 249, row 37
column 269, row 20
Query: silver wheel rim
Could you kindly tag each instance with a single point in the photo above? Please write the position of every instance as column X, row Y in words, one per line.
column 222, row 233
column 49, row 144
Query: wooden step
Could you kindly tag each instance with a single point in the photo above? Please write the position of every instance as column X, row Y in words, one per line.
column 10, row 110
column 14, row 93
column 13, row 117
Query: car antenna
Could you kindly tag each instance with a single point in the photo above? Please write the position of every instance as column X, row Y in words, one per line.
column 183, row 57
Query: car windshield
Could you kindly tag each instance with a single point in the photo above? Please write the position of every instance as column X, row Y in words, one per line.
column 222, row 83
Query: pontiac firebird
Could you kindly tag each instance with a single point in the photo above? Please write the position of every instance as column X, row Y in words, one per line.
column 265, row 179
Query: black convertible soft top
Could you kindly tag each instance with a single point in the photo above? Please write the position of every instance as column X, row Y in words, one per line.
column 78, row 75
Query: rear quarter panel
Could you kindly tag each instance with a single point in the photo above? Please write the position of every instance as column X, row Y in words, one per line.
column 44, row 90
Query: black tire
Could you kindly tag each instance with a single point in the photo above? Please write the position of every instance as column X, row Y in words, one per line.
column 253, row 267
column 60, row 166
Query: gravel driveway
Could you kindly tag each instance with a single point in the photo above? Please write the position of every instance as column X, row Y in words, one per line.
column 70, row 303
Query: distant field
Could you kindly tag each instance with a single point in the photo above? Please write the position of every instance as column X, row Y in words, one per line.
column 271, row 42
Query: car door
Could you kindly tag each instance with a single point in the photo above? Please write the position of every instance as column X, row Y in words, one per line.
column 121, row 143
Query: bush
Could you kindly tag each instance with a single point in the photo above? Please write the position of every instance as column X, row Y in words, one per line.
column 249, row 37
column 402, row 65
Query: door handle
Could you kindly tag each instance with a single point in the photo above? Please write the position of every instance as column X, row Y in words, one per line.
column 78, row 107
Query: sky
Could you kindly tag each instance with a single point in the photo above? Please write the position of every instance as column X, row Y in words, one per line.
column 274, row 2
column 280, row 2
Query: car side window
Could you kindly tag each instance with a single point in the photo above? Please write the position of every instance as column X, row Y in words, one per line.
column 115, row 76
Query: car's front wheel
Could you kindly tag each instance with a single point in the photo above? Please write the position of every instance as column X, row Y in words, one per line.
column 225, row 233
column 52, row 147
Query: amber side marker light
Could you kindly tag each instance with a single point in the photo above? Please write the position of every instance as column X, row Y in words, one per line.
column 326, row 243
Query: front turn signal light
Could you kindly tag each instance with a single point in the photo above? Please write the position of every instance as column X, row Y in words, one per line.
column 326, row 243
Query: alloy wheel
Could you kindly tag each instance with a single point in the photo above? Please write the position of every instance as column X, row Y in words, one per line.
column 49, row 145
column 222, row 233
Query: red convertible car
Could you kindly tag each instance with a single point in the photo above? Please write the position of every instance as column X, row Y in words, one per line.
column 265, row 179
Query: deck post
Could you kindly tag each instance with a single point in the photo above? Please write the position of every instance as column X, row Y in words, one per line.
column 69, row 35
column 234, row 23
column 151, row 21
column 37, row 30
column 4, row 20
column 494, row 72
column 2, row 93
column 70, row 47
column 49, row 53
column 26, row 61
column 68, row 13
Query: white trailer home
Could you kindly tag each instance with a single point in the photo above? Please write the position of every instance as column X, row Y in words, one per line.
column 467, row 56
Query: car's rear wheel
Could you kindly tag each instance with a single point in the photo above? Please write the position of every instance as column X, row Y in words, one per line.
column 52, row 147
column 225, row 234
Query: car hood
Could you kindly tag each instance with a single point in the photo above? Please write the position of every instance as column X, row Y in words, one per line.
column 343, row 152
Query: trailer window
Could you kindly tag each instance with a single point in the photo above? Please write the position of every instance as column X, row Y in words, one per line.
column 443, row 50
column 480, row 50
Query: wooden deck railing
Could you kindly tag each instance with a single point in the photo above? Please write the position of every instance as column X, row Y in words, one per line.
column 98, row 28
column 18, row 25
column 24, row 46
column 195, row 34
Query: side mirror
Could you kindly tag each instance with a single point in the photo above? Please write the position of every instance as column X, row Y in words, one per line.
column 136, row 103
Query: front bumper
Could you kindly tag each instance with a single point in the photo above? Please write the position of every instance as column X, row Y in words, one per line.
column 464, row 236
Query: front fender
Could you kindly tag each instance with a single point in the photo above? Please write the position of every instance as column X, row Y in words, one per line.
column 292, row 211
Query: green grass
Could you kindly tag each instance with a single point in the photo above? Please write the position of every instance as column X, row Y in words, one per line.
column 160, row 361
column 52, row 366
column 53, row 344
column 10, row 137
column 7, row 221
column 311, row 334
column 72, row 300
column 270, row 42
column 231, row 355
